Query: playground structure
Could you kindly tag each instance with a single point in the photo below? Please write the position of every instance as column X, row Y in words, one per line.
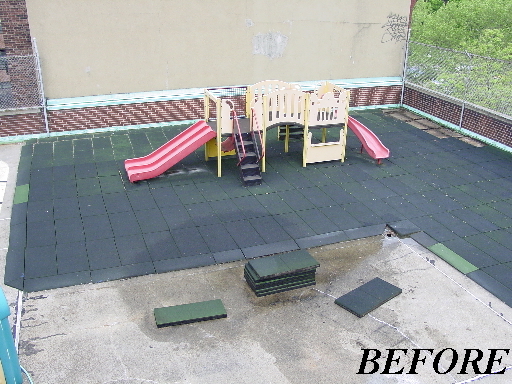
column 268, row 104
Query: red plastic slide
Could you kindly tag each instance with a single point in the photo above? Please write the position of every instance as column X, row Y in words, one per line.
column 175, row 150
column 370, row 141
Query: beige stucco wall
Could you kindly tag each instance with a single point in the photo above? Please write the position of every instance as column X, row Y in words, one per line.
column 95, row 47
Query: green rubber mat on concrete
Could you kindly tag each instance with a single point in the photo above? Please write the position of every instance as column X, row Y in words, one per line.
column 189, row 313
column 452, row 258
column 368, row 297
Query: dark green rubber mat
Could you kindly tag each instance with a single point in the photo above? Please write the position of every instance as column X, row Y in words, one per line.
column 189, row 313
column 291, row 262
column 279, row 273
column 368, row 297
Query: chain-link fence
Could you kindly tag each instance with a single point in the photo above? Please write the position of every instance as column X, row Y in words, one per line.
column 20, row 82
column 474, row 79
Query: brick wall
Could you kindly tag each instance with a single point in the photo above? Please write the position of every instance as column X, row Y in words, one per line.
column 479, row 122
column 369, row 96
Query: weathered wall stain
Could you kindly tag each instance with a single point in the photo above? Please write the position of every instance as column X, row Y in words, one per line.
column 271, row 44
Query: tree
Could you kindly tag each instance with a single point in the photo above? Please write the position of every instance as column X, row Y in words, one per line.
column 482, row 27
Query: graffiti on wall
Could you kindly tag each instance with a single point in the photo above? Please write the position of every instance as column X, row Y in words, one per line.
column 395, row 28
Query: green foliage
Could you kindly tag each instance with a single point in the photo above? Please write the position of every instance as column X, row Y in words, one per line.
column 482, row 27
column 472, row 34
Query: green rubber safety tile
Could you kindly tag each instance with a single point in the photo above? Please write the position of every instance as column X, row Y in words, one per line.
column 492, row 285
column 249, row 207
column 404, row 228
column 381, row 289
column 63, row 172
column 177, row 217
column 83, row 157
column 203, row 214
column 284, row 289
column 185, row 262
column 493, row 215
column 18, row 236
column 56, row 281
column 228, row 256
column 37, row 211
column 368, row 297
column 475, row 220
column 277, row 182
column 15, row 267
column 122, row 272
column 69, row 230
column 41, row 175
column 64, row 188
column 101, row 143
column 141, row 199
column 117, row 202
column 340, row 217
column 71, row 257
column 156, row 138
column 40, row 261
column 452, row 258
column 151, row 220
column 269, row 249
column 91, row 205
column 287, row 279
column 21, row 194
column 378, row 189
column 189, row 313
column 317, row 221
column 294, row 225
column 478, row 193
column 502, row 236
column 19, row 213
column 317, row 197
column 273, row 203
column 368, row 231
column 211, row 191
column 189, row 194
column 40, row 234
column 404, row 207
column 456, row 225
column 501, row 272
column 243, row 233
column 216, row 238
column 65, row 208
column 161, row 246
column 358, row 303
column 426, row 205
column 86, row 187
column 111, row 184
column 491, row 247
column 97, row 227
column 165, row 197
column 132, row 250
column 85, row 171
column 323, row 239
column 124, row 223
column 270, row 266
column 103, row 155
column 299, row 260
column 107, row 168
column 102, row 253
column 338, row 194
column 268, row 228
column 362, row 213
column 190, row 242
column 423, row 239
column 83, row 144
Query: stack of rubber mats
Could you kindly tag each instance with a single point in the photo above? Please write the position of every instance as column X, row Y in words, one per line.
column 368, row 297
column 279, row 273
